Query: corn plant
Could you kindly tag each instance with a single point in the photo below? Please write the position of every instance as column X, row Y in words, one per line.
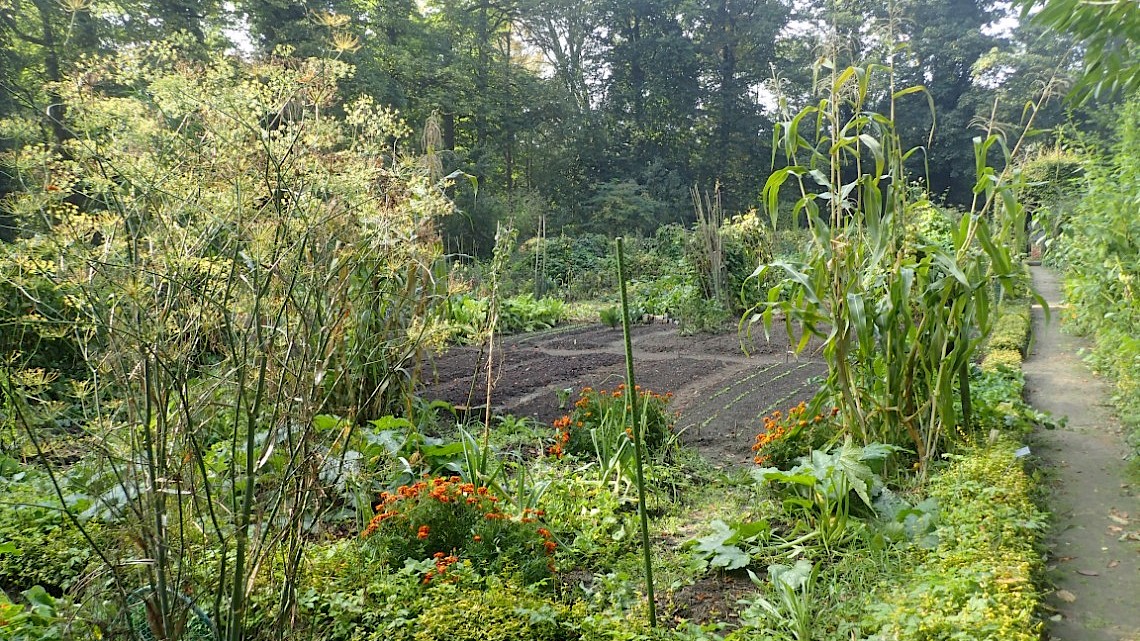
column 900, row 315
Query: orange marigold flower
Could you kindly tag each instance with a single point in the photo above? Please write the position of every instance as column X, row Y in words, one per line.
column 423, row 532
column 545, row 533
column 438, row 555
column 549, row 546
column 477, row 538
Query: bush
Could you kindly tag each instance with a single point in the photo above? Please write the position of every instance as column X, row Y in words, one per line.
column 1011, row 331
column 497, row 612
column 998, row 360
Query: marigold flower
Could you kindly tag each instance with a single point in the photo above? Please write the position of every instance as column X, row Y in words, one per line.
column 545, row 533
column 423, row 532
column 477, row 538
column 549, row 546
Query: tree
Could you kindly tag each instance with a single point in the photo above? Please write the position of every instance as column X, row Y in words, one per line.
column 1110, row 34
column 736, row 44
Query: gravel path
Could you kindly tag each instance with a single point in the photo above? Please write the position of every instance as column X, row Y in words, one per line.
column 1094, row 556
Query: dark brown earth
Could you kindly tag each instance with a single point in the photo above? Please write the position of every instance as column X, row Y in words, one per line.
column 723, row 384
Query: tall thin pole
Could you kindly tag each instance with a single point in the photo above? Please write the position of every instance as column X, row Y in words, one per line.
column 638, row 437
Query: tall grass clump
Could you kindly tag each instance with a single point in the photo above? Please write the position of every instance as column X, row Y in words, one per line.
column 225, row 250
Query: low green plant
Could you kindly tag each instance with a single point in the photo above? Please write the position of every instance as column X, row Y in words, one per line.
column 980, row 578
column 997, row 390
column 729, row 546
column 447, row 519
column 43, row 618
column 610, row 316
column 819, row 491
column 791, row 613
column 39, row 545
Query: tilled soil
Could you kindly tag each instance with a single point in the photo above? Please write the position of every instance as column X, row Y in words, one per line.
column 722, row 384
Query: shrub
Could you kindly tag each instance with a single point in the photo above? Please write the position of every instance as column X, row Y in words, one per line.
column 998, row 360
column 497, row 612
column 1011, row 332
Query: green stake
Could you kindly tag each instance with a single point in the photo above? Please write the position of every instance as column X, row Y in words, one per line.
column 638, row 429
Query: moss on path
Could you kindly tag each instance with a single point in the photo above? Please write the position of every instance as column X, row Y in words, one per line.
column 1094, row 555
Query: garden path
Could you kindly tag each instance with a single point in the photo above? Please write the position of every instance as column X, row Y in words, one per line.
column 1094, row 548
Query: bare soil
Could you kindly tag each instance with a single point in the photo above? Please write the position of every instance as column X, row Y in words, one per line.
column 1094, row 551
column 722, row 384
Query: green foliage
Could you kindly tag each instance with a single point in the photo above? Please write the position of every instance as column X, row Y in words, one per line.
column 39, row 545
column 981, row 576
column 820, row 489
column 494, row 613
column 728, row 547
column 591, row 517
column 898, row 323
column 1100, row 252
column 467, row 315
column 44, row 618
column 999, row 360
column 610, row 316
column 792, row 614
column 1054, row 180
column 1011, row 331
column 1107, row 34
column 998, row 403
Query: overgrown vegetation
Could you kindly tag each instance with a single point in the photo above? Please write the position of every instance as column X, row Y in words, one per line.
column 220, row 281
column 1098, row 246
